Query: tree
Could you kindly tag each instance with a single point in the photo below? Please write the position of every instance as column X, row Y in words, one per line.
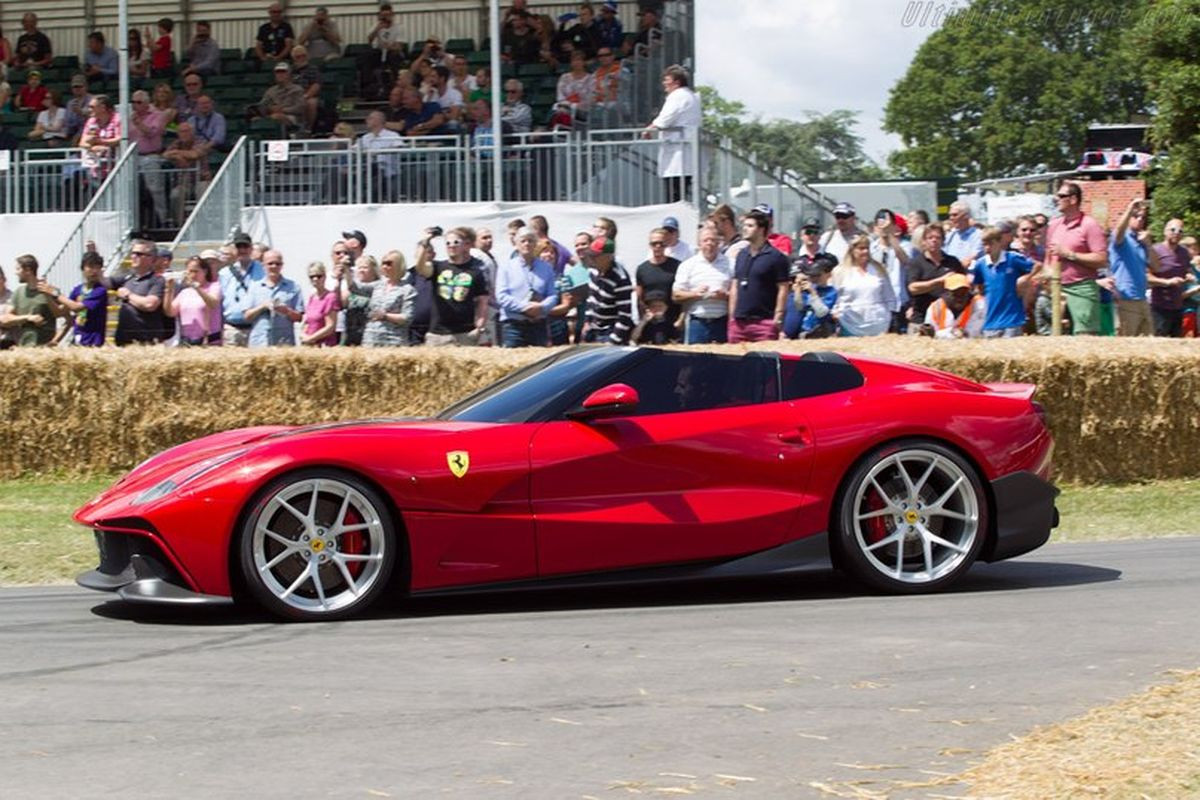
column 1166, row 40
column 1010, row 86
column 821, row 147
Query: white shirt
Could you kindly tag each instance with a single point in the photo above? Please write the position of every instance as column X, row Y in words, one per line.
column 451, row 99
column 834, row 243
column 681, row 109
column 385, row 139
column 680, row 251
column 865, row 300
column 897, row 273
column 697, row 274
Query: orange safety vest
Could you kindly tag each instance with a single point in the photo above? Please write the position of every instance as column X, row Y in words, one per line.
column 940, row 310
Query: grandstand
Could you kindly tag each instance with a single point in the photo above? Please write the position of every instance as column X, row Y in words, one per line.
column 599, row 161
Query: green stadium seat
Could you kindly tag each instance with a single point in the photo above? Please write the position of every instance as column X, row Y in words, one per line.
column 356, row 49
column 340, row 65
column 460, row 45
column 479, row 58
column 219, row 81
column 231, row 54
column 65, row 62
column 10, row 118
column 531, row 70
column 233, row 67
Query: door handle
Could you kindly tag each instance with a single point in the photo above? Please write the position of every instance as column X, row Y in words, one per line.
column 798, row 436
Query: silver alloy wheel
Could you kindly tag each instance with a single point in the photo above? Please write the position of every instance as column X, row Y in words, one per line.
column 916, row 516
column 307, row 556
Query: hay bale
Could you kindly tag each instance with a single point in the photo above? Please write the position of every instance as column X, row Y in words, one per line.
column 1121, row 410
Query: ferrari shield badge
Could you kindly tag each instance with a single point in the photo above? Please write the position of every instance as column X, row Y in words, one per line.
column 459, row 461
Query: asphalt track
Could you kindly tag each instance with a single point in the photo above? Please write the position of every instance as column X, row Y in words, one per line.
column 747, row 689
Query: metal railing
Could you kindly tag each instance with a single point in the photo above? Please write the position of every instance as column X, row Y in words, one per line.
column 219, row 209
column 728, row 177
column 49, row 179
column 108, row 221
column 611, row 166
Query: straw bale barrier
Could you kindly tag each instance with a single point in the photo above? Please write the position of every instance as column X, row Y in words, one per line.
column 1121, row 410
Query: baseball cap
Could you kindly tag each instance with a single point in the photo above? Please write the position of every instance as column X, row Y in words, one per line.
column 356, row 234
column 901, row 224
column 845, row 208
column 602, row 245
column 567, row 17
column 34, row 72
column 611, row 5
column 766, row 209
column 78, row 80
column 164, row 252
column 655, row 295
column 242, row 238
column 810, row 224
column 282, row 66
column 955, row 280
column 670, row 223
column 207, row 254
column 1006, row 226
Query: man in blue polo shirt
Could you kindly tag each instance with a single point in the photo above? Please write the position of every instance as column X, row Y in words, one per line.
column 758, row 294
column 1129, row 251
column 237, row 281
column 999, row 270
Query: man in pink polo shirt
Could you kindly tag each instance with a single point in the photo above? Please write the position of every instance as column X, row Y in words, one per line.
column 1076, row 243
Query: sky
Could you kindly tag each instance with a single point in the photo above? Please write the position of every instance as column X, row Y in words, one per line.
column 784, row 57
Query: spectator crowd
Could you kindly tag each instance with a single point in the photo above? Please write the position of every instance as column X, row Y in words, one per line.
column 736, row 280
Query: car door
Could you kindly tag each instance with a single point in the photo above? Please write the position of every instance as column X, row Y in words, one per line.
column 710, row 465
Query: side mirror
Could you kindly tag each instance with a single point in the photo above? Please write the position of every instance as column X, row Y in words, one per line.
column 613, row 400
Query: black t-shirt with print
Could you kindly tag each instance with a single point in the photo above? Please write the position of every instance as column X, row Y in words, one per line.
column 456, row 286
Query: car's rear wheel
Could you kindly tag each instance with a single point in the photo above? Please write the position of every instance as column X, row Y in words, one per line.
column 913, row 517
column 317, row 545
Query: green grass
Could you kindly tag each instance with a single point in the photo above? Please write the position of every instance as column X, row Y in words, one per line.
column 40, row 544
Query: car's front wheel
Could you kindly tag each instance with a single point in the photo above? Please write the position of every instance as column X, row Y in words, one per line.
column 913, row 517
column 317, row 545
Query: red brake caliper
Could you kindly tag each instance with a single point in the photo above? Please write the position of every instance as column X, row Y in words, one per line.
column 876, row 527
column 354, row 542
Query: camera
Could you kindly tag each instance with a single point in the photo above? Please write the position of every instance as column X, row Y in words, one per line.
column 435, row 231
column 813, row 269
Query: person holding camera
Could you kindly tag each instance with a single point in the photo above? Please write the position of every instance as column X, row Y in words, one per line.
column 321, row 36
column 460, row 297
column 808, row 313
column 194, row 300
column 390, row 307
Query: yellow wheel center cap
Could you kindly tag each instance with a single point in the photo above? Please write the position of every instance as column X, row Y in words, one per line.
column 911, row 517
column 317, row 545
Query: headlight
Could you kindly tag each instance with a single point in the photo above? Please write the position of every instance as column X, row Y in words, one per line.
column 184, row 476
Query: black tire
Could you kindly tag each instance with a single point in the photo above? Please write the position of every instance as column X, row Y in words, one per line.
column 298, row 563
column 916, row 534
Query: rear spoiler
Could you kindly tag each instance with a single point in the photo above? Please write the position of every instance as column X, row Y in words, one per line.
column 1022, row 391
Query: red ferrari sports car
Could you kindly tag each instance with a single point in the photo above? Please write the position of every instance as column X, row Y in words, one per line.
column 595, row 465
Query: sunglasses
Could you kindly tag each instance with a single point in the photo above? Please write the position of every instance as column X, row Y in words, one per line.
column 658, row 244
column 141, row 253
column 273, row 262
column 842, row 216
column 1064, row 194
column 317, row 275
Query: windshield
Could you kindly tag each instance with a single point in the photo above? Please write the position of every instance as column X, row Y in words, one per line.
column 522, row 394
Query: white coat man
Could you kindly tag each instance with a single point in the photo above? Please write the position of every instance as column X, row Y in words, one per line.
column 679, row 123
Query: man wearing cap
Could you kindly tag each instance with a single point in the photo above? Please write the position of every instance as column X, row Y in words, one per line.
column 609, row 31
column 355, row 242
column 237, row 280
column 610, row 297
column 525, row 294
column 957, row 314
column 284, row 102
column 33, row 46
column 810, row 243
column 758, row 296
column 836, row 240
column 702, row 282
column 780, row 241
column 678, row 123
column 676, row 248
